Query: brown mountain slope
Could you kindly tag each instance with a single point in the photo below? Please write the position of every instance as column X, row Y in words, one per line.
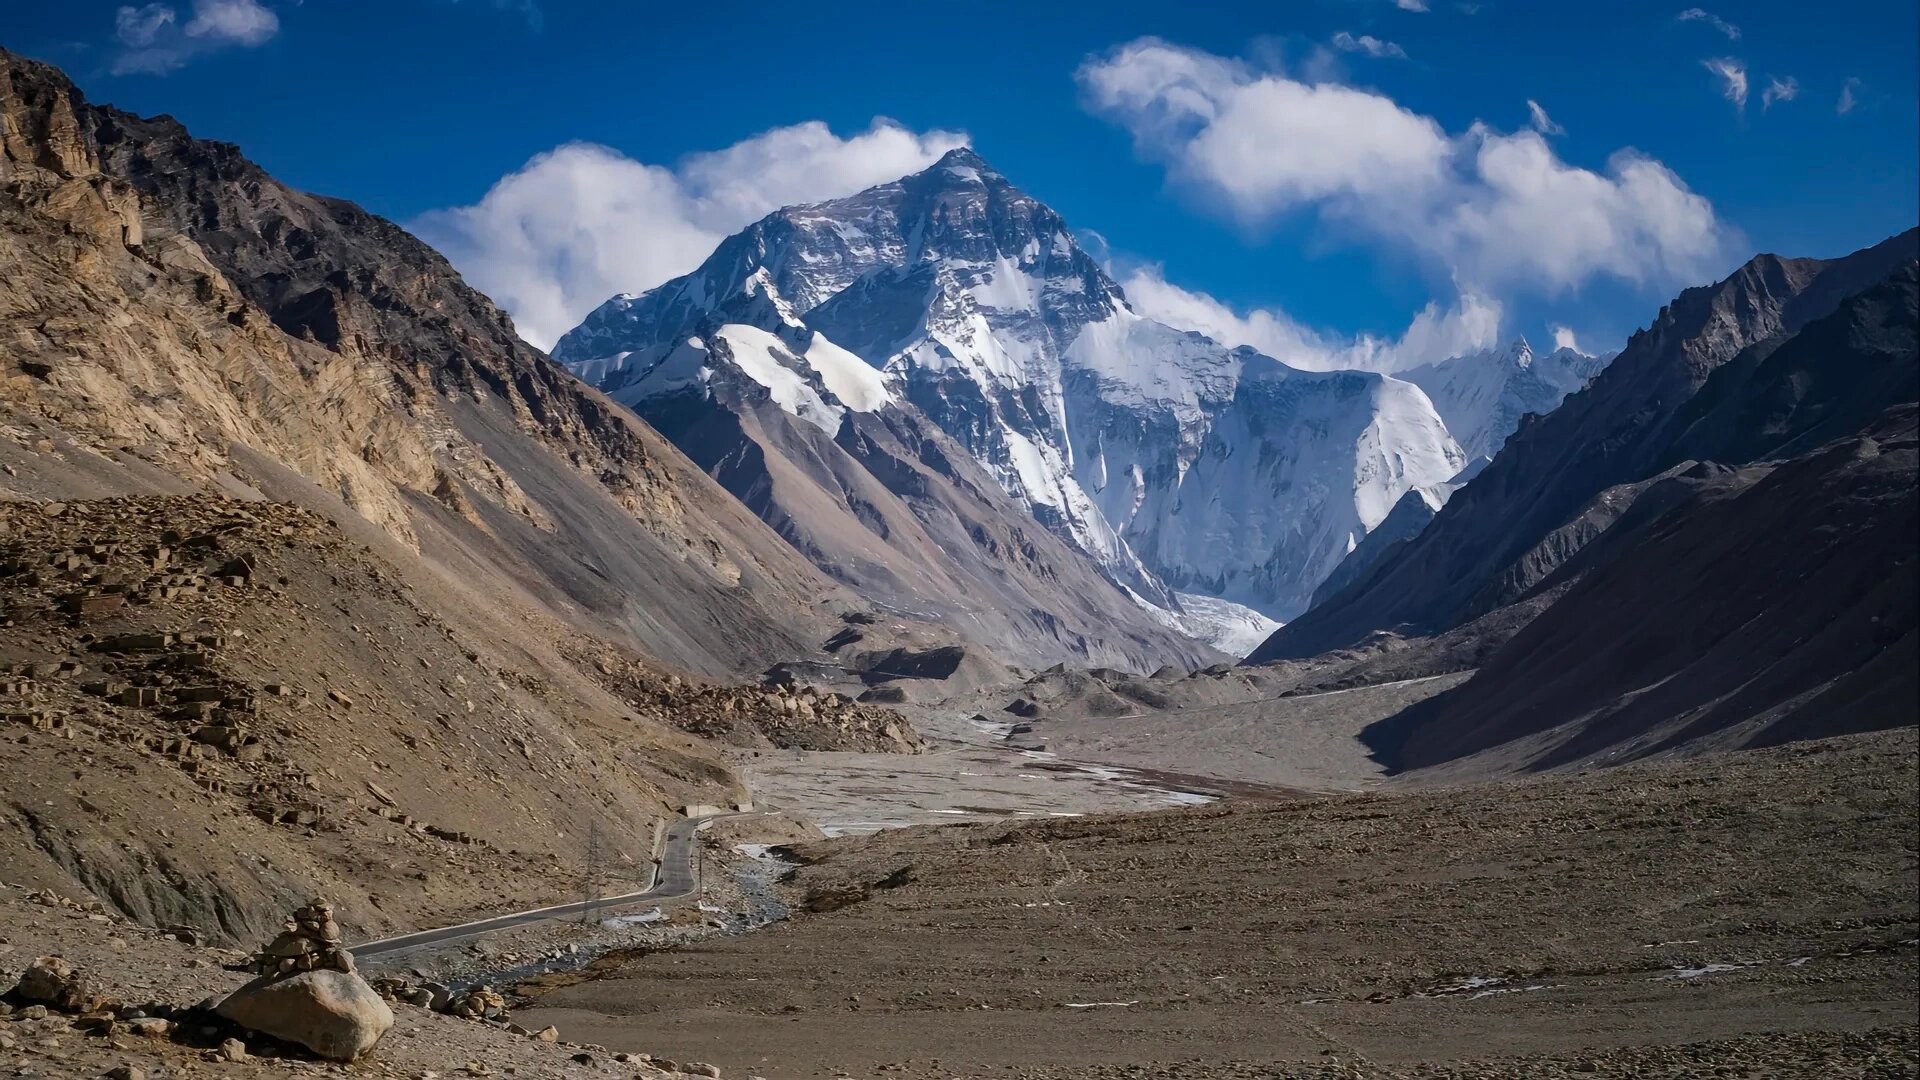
column 1721, row 605
column 463, row 566
column 218, row 737
column 173, row 315
column 1775, row 604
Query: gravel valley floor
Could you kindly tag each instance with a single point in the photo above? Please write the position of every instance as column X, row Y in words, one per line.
column 1752, row 915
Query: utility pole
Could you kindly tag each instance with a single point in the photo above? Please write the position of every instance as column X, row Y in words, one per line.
column 657, row 853
column 590, row 879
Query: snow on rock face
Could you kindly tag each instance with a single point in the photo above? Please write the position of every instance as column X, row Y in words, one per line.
column 1174, row 462
column 1483, row 395
column 818, row 384
column 1263, row 498
column 761, row 342
column 1232, row 628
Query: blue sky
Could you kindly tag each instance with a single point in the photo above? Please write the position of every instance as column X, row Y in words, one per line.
column 414, row 106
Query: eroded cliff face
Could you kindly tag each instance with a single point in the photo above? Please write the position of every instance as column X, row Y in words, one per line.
column 175, row 299
column 173, row 317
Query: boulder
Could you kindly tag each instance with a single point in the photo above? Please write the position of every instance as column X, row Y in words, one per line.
column 333, row 1013
column 51, row 980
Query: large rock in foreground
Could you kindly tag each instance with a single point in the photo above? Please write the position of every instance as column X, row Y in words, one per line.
column 333, row 1013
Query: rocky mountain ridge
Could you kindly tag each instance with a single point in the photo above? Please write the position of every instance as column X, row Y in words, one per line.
column 1626, row 425
column 184, row 320
column 1745, row 579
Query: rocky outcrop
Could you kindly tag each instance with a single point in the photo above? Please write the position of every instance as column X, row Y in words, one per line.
column 785, row 715
column 55, row 983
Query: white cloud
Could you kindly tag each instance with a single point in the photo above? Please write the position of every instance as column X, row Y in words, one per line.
column 1367, row 43
column 153, row 40
column 1410, row 5
column 1733, row 78
column 1847, row 99
column 1542, row 123
column 581, row 222
column 1563, row 338
column 1491, row 210
column 1701, row 15
column 1779, row 89
column 139, row 27
column 242, row 22
column 1435, row 333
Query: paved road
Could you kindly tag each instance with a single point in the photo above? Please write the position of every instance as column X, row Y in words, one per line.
column 678, row 878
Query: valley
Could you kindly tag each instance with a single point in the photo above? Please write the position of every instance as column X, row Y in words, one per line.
column 888, row 645
column 1754, row 912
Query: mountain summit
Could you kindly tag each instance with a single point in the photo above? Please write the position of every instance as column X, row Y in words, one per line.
column 1178, row 465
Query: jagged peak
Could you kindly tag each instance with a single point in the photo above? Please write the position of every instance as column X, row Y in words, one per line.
column 962, row 165
column 967, row 157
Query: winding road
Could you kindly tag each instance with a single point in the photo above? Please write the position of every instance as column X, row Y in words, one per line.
column 677, row 878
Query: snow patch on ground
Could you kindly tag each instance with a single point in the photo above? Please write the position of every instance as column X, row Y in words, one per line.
column 622, row 922
column 1706, row 969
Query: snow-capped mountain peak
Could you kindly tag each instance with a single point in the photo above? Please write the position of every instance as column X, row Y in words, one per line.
column 1177, row 464
column 1483, row 395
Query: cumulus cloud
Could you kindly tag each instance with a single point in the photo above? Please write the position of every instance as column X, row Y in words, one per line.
column 581, row 222
column 1368, row 44
column 1701, row 15
column 1847, row 99
column 1563, row 338
column 154, row 41
column 1779, row 89
column 1410, row 5
column 1434, row 334
column 1492, row 210
column 1542, row 123
column 1733, row 78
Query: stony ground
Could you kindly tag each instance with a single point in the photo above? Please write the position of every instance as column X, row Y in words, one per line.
column 213, row 708
column 1752, row 915
column 142, row 968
